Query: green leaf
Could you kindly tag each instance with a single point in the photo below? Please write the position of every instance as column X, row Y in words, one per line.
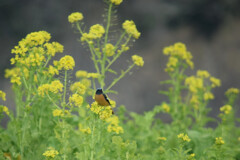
column 112, row 71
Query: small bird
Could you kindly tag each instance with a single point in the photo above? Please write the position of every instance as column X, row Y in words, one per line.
column 102, row 99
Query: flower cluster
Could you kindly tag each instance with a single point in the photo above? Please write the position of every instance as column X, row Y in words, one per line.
column 104, row 112
column 137, row 60
column 78, row 88
column 219, row 141
column 184, row 137
column 114, row 125
column 55, row 87
column 131, row 29
column 96, row 31
column 231, row 91
column 165, row 107
column 226, row 109
column 178, row 54
column 81, row 73
column 51, row 152
column 191, row 156
column 200, row 86
column 116, row 2
column 76, row 100
column 84, row 130
column 74, row 17
column 4, row 109
column 109, row 50
column 67, row 63
column 3, row 95
column 60, row 113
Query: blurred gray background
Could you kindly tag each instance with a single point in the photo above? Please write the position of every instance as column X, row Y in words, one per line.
column 209, row 28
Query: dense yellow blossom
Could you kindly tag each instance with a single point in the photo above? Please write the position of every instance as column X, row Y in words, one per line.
column 208, row 96
column 232, row 91
column 52, row 70
column 78, row 87
column 96, row 31
column 4, row 109
column 76, row 99
column 215, row 82
column 194, row 83
column 226, row 109
column 36, row 38
column 203, row 74
column 51, row 152
column 172, row 63
column 55, row 87
column 137, row 60
column 109, row 50
column 184, row 137
column 58, row 113
column 113, row 103
column 165, row 107
column 74, row 17
column 179, row 51
column 84, row 130
column 116, row 2
column 219, row 141
column 16, row 79
column 81, row 73
column 131, row 29
column 104, row 112
column 3, row 95
column 67, row 62
column 93, row 75
column 114, row 125
column 86, row 82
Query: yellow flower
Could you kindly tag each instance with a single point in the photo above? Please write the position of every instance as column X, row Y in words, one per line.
column 226, row 109
column 76, row 99
column 58, row 113
column 113, row 103
column 203, row 73
column 219, row 141
column 109, row 50
column 67, row 62
column 191, row 156
column 5, row 109
column 116, row 2
column 81, row 73
column 215, row 82
column 43, row 89
column 96, row 31
column 51, row 152
column 93, row 75
column 53, row 71
column 56, row 86
column 3, row 95
column 84, row 130
column 194, row 83
column 208, row 96
column 130, row 28
column 114, row 125
column 165, row 107
column 86, row 82
column 184, row 137
column 232, row 91
column 74, row 17
column 162, row 138
column 78, row 87
column 16, row 79
column 36, row 38
column 137, row 60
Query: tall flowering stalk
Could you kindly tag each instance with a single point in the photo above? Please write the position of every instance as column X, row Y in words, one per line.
column 103, row 51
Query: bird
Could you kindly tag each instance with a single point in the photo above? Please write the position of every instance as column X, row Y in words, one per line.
column 101, row 98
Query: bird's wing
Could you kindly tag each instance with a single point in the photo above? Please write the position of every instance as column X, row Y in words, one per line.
column 106, row 98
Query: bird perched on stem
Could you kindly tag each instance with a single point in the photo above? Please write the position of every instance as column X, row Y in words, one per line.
column 101, row 98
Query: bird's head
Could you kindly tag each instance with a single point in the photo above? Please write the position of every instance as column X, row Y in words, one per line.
column 99, row 91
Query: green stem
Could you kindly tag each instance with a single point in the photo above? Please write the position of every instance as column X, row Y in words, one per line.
column 52, row 101
column 118, row 54
column 65, row 89
column 120, row 77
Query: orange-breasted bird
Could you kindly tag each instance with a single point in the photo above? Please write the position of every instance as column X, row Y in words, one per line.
column 101, row 98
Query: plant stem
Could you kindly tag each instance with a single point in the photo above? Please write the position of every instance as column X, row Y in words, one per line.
column 120, row 77
column 65, row 88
